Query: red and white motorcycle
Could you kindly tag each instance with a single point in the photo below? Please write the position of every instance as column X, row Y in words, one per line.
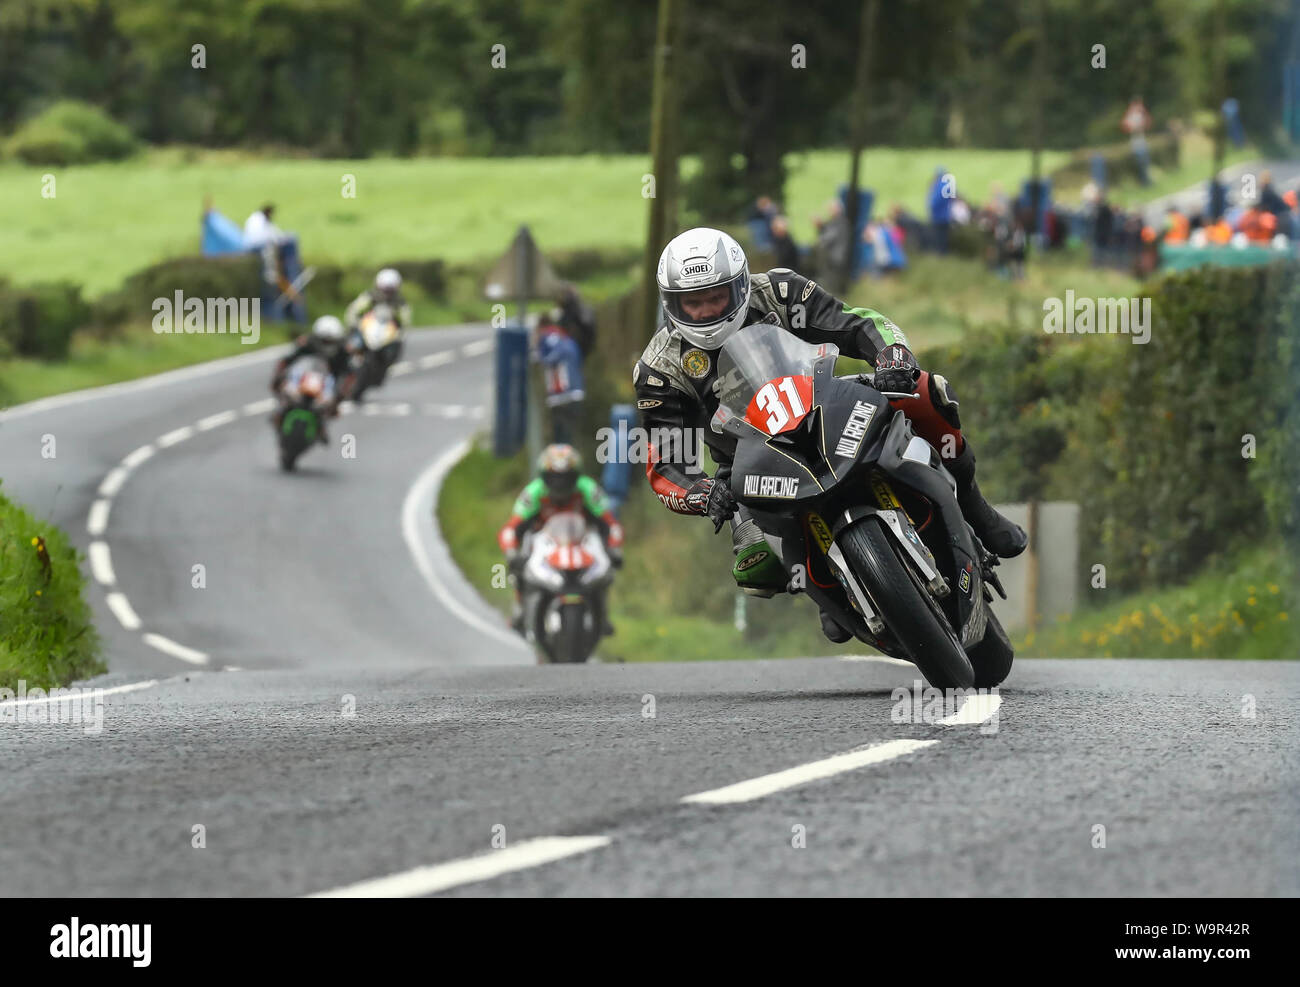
column 564, row 585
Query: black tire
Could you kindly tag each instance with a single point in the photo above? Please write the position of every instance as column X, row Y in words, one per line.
column 992, row 657
column 291, row 447
column 908, row 610
column 573, row 643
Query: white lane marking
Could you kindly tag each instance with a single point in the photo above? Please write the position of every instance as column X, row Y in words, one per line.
column 176, row 650
column 401, row 368
column 478, row 348
column 259, row 407
column 77, row 696
column 756, row 788
column 113, row 481
column 134, row 459
column 976, row 709
column 97, row 521
column 454, row 410
column 121, row 607
column 212, row 421
column 882, row 659
column 174, row 436
column 347, row 407
column 400, row 409
column 437, row 359
column 370, row 409
column 440, row 877
column 101, row 564
column 419, row 509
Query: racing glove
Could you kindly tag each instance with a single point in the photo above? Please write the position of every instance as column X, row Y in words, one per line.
column 713, row 499
column 896, row 369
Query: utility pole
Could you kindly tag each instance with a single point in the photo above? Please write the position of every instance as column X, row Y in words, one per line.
column 663, row 168
column 858, row 134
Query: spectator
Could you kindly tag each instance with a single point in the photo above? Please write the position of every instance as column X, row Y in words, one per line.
column 1269, row 199
column 561, row 359
column 832, row 243
column 940, row 211
column 1177, row 227
column 260, row 231
column 576, row 318
column 783, row 245
column 759, row 221
column 1135, row 123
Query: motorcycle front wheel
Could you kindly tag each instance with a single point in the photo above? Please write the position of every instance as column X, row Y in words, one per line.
column 915, row 618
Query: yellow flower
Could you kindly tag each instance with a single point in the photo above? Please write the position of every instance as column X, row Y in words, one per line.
column 38, row 592
column 1102, row 639
column 1283, row 616
column 1250, row 602
column 1197, row 640
column 1272, row 588
column 1194, row 619
column 35, row 541
column 1086, row 637
column 1250, row 590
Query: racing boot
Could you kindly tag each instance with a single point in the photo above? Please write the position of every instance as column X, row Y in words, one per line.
column 833, row 631
column 757, row 570
column 1000, row 536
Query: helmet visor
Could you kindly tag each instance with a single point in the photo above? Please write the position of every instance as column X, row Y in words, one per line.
column 709, row 305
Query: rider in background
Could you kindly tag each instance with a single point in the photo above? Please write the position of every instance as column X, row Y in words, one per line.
column 325, row 342
column 387, row 290
column 559, row 486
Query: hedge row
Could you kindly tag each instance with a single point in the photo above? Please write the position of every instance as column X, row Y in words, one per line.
column 1179, row 450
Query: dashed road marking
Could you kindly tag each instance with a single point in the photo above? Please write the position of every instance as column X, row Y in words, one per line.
column 121, row 607
column 174, row 436
column 757, row 788
column 97, row 521
column 170, row 647
column 470, row 870
column 113, row 481
column 212, row 421
column 101, row 563
column 134, row 459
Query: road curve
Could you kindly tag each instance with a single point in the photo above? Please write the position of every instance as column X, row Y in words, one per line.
column 335, row 712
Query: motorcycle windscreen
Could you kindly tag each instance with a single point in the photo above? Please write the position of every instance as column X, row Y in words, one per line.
column 765, row 380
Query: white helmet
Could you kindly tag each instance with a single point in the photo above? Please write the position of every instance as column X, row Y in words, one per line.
column 328, row 329
column 698, row 259
column 388, row 281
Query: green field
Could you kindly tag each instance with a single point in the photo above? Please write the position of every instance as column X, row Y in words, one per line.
column 109, row 220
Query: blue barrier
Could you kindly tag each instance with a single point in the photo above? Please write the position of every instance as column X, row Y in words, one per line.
column 510, row 424
column 616, row 478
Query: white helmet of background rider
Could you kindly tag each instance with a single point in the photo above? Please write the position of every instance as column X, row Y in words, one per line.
column 702, row 259
column 388, row 281
column 328, row 330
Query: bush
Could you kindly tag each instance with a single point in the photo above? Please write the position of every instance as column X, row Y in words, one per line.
column 38, row 320
column 1151, row 440
column 234, row 276
column 70, row 132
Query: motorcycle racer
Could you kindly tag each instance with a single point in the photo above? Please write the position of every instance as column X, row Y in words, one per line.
column 707, row 295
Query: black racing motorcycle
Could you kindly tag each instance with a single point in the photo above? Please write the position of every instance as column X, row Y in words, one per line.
column 860, row 509
column 307, row 395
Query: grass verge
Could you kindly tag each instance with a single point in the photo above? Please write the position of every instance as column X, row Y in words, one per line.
column 1242, row 608
column 46, row 634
